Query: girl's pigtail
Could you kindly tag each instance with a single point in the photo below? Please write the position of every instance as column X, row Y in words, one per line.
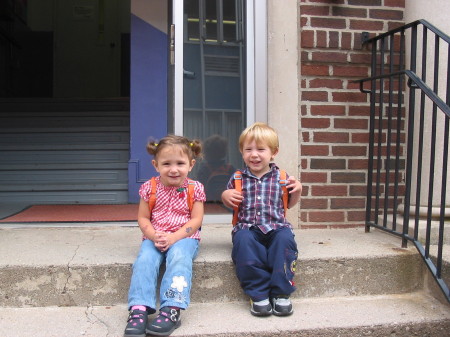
column 152, row 147
column 196, row 147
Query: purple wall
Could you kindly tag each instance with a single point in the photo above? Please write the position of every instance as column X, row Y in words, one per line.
column 148, row 96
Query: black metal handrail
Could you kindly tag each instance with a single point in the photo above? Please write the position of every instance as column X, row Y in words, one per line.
column 399, row 143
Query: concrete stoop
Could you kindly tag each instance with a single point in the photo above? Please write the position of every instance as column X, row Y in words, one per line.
column 74, row 282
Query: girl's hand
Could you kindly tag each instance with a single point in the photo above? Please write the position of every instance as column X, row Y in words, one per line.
column 231, row 198
column 163, row 241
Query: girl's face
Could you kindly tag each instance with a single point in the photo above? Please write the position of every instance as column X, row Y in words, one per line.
column 257, row 157
column 173, row 165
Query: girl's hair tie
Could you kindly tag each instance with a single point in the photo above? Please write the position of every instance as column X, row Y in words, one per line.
column 156, row 144
column 191, row 144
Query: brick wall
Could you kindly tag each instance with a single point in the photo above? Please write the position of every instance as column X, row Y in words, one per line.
column 334, row 115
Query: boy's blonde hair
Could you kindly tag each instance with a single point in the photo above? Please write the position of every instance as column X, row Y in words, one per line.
column 260, row 133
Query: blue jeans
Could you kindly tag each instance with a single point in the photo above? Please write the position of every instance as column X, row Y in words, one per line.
column 176, row 282
column 265, row 263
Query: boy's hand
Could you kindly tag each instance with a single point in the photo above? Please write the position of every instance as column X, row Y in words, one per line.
column 231, row 198
column 294, row 185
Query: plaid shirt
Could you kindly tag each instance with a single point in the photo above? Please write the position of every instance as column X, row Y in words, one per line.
column 262, row 205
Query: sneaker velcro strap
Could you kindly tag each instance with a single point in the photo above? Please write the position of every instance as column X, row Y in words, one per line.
column 172, row 314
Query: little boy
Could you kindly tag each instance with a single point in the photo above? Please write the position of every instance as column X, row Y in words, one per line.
column 264, row 250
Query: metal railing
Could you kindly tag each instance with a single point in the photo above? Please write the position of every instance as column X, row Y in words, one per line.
column 409, row 139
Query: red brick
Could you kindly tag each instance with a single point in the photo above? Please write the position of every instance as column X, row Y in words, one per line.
column 303, row 84
column 314, row 10
column 394, row 24
column 364, row 58
column 358, row 190
column 344, row 177
column 327, row 110
column 314, row 70
column 328, row 164
column 328, row 23
column 304, row 110
column 350, row 123
column 303, row 21
column 349, row 150
column 326, row 83
column 314, row 150
column 317, row 96
column 331, row 137
column 348, row 203
column 351, row 71
column 349, row 12
column 322, row 39
column 386, row 14
column 346, row 40
column 304, row 164
column 326, row 216
column 305, row 56
column 360, row 138
column 314, row 203
column 333, row 39
column 307, row 38
column 329, row 57
column 313, row 177
column 304, row 217
column 356, row 215
column 305, row 136
column 366, row 25
column 394, row 3
column 316, row 123
column 357, row 164
column 349, row 97
column 364, row 2
column 359, row 110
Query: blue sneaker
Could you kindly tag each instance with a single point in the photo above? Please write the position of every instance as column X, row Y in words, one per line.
column 282, row 306
column 260, row 308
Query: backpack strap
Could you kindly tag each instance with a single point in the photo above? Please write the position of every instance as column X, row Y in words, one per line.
column 285, row 196
column 152, row 199
column 190, row 194
column 238, row 187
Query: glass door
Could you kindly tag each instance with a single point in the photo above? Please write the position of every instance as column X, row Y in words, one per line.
column 213, row 86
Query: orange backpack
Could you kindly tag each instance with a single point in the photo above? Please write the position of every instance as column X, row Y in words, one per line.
column 152, row 199
column 238, row 186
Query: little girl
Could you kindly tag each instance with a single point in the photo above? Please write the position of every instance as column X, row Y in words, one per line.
column 171, row 233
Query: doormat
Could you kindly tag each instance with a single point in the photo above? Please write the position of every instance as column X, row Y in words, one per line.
column 88, row 213
column 75, row 213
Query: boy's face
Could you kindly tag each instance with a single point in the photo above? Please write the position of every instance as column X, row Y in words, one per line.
column 257, row 157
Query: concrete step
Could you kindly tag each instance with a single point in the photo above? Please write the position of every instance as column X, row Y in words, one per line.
column 91, row 266
column 406, row 315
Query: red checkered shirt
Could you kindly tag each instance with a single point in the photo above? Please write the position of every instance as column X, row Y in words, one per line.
column 171, row 210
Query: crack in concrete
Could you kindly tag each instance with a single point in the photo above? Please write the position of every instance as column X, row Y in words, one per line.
column 64, row 291
column 89, row 313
